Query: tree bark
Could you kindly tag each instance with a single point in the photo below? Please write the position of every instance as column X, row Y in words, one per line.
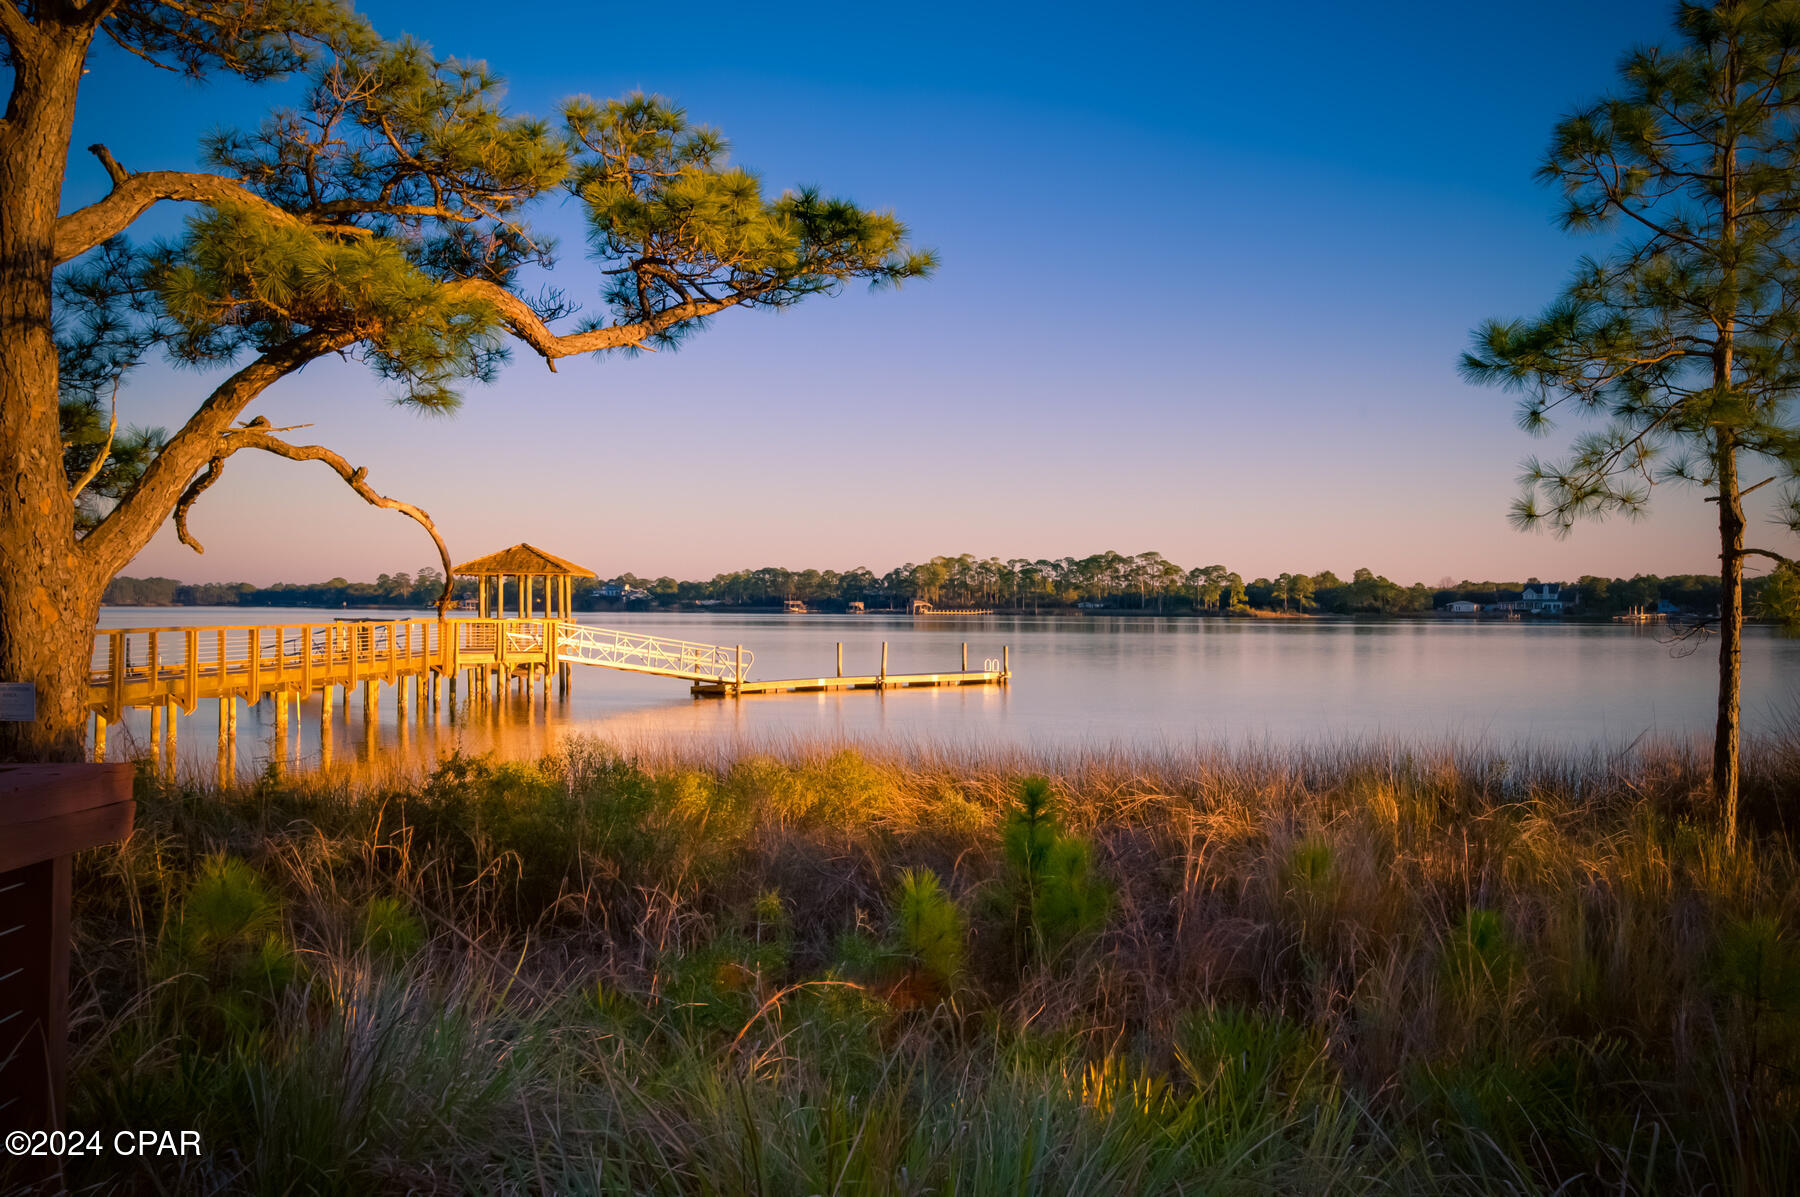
column 49, row 592
column 1731, row 503
column 1731, row 632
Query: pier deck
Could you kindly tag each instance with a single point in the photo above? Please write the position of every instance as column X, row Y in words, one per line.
column 891, row 681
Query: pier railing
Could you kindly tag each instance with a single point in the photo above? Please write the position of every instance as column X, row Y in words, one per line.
column 139, row 666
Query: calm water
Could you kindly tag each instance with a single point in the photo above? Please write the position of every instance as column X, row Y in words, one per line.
column 1093, row 681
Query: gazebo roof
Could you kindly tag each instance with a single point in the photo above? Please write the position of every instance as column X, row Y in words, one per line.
column 522, row 559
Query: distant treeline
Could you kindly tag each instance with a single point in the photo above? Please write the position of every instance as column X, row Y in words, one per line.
column 1144, row 582
column 389, row 590
column 1150, row 582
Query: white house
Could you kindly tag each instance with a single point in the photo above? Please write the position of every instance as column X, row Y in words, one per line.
column 1463, row 607
column 1545, row 599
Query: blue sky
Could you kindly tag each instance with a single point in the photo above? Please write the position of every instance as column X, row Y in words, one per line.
column 1205, row 279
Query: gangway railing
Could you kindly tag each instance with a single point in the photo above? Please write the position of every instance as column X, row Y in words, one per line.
column 639, row 653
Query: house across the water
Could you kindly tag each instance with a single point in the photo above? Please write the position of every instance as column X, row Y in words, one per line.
column 1546, row 599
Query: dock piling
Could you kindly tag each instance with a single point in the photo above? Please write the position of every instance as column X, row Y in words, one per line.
column 281, row 728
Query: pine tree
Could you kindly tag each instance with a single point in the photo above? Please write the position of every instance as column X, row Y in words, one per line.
column 384, row 218
column 1682, row 337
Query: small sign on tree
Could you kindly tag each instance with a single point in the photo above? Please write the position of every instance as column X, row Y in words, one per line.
column 18, row 702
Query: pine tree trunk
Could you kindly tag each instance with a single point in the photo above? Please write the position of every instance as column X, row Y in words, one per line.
column 49, row 593
column 1731, row 633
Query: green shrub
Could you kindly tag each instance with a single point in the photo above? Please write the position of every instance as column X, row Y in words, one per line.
column 1479, row 955
column 390, row 930
column 1049, row 879
column 928, row 926
column 225, row 958
column 1253, row 1066
column 1755, row 971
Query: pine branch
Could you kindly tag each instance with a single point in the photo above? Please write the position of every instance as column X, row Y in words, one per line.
column 126, row 528
column 522, row 321
column 16, row 29
column 134, row 194
column 259, row 438
column 99, row 462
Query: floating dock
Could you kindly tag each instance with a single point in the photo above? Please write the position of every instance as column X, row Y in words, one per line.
column 993, row 672
column 876, row 681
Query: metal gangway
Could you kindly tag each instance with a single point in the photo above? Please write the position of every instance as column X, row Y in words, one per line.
column 636, row 653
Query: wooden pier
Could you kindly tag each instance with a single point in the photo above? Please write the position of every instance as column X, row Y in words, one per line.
column 171, row 670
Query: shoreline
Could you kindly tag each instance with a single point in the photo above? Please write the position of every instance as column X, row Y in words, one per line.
column 1407, row 617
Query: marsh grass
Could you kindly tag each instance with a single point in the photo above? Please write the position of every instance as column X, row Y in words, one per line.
column 835, row 971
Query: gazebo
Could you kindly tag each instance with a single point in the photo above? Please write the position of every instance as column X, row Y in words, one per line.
column 535, row 573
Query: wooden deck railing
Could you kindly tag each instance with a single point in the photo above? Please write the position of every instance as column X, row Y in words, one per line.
column 141, row 666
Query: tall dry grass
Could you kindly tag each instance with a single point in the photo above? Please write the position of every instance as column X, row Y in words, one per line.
column 1338, row 969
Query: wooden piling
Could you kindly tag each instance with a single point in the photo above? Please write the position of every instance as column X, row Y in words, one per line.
column 99, row 736
column 156, row 734
column 965, row 664
column 884, row 661
column 224, row 741
column 279, row 760
column 173, row 738
column 840, row 658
